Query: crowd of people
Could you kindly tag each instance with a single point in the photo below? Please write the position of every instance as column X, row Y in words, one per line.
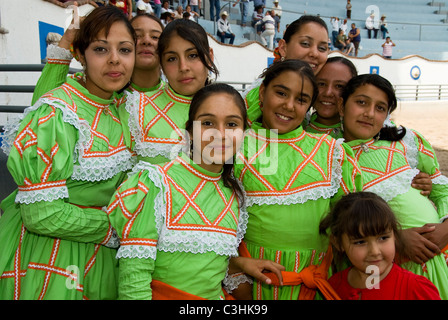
column 300, row 188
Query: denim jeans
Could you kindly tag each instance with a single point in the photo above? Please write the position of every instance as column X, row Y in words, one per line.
column 215, row 5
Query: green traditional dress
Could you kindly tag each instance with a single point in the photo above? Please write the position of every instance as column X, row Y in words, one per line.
column 312, row 126
column 291, row 181
column 157, row 124
column 252, row 99
column 388, row 169
column 178, row 224
column 67, row 156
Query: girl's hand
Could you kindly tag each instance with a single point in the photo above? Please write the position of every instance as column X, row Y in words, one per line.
column 439, row 236
column 256, row 268
column 417, row 247
column 423, row 182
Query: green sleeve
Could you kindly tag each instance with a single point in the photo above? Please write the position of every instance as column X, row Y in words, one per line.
column 135, row 212
column 135, row 279
column 53, row 75
column 41, row 160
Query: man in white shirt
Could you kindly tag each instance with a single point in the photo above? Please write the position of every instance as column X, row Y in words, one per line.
column 277, row 9
column 334, row 29
column 224, row 29
column 144, row 6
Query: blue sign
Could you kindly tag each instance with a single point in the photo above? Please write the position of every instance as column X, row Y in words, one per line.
column 44, row 29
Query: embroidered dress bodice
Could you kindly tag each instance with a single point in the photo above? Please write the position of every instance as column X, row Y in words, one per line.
column 291, row 180
column 96, row 154
column 179, row 212
column 315, row 127
column 157, row 123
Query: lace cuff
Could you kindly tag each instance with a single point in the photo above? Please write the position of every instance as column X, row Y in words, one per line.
column 233, row 281
column 137, row 248
column 46, row 191
column 58, row 55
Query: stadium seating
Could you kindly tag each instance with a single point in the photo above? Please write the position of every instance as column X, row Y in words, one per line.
column 417, row 28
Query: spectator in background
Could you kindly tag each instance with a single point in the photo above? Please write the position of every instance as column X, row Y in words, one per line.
column 349, row 47
column 355, row 37
column 387, row 48
column 334, row 29
column 123, row 5
column 166, row 18
column 224, row 29
column 372, row 24
column 179, row 13
column 344, row 26
column 348, row 7
column 195, row 6
column 157, row 8
column 215, row 8
column 166, row 8
column 259, row 3
column 192, row 15
column 278, row 10
column 383, row 27
column 340, row 40
column 144, row 6
column 244, row 9
column 269, row 30
column 257, row 16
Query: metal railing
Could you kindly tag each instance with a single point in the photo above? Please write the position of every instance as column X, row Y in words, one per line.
column 418, row 92
column 20, row 88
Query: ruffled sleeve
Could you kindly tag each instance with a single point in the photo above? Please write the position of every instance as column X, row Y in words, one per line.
column 136, row 213
column 42, row 149
column 425, row 159
column 55, row 71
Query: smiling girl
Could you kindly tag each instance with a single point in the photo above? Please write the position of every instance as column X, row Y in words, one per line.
column 291, row 179
column 305, row 39
column 181, row 221
column 157, row 119
column 390, row 157
column 364, row 229
column 67, row 156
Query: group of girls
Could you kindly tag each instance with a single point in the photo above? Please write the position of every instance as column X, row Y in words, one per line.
column 130, row 187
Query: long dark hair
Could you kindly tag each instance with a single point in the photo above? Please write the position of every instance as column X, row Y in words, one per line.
column 350, row 65
column 227, row 175
column 300, row 67
column 386, row 133
column 359, row 214
column 192, row 32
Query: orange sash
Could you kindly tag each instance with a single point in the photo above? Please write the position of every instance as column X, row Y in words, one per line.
column 163, row 291
column 311, row 278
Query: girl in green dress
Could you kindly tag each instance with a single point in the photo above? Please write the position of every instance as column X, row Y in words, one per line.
column 67, row 156
column 181, row 221
column 305, row 39
column 390, row 157
column 291, row 179
column 157, row 119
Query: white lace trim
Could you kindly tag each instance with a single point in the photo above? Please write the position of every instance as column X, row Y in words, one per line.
column 137, row 251
column 256, row 83
column 88, row 169
column 398, row 184
column 196, row 241
column 231, row 282
column 56, row 52
column 440, row 180
column 47, row 195
column 312, row 194
column 149, row 149
column 412, row 148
